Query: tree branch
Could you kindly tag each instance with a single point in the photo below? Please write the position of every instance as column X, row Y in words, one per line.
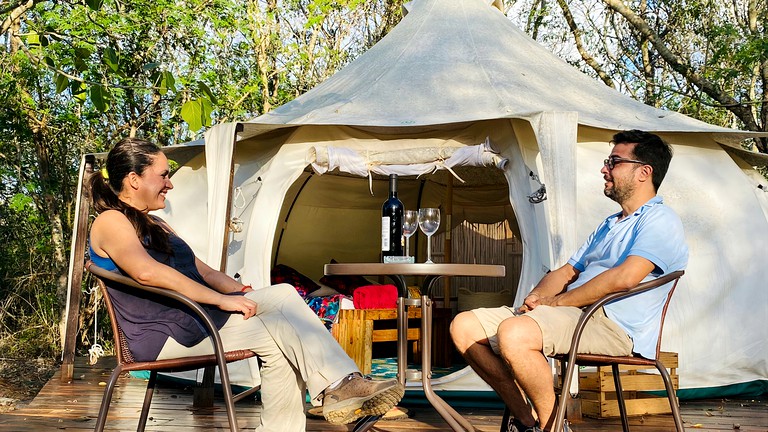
column 18, row 10
column 678, row 64
column 576, row 32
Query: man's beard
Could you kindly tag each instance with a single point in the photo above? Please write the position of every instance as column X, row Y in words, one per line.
column 619, row 193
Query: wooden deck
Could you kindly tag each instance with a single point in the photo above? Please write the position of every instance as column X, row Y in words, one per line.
column 74, row 407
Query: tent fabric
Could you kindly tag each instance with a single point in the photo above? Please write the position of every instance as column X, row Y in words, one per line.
column 471, row 72
column 414, row 162
column 454, row 72
column 218, row 159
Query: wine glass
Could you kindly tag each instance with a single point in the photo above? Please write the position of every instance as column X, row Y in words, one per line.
column 410, row 225
column 429, row 222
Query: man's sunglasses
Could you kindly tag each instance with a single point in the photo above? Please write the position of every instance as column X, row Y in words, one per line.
column 615, row 160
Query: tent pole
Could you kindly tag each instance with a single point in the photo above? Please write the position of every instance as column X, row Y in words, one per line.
column 76, row 264
column 447, row 246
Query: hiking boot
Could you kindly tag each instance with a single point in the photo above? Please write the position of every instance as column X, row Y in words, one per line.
column 357, row 397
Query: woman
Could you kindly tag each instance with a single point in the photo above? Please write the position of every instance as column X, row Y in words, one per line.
column 296, row 350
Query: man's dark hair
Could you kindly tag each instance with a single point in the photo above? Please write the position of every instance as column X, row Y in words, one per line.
column 650, row 149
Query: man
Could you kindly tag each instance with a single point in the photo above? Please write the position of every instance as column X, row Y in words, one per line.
column 508, row 347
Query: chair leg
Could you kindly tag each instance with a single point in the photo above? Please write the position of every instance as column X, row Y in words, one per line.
column 671, row 395
column 229, row 399
column 365, row 423
column 147, row 401
column 620, row 397
column 565, row 394
column 101, row 420
column 244, row 394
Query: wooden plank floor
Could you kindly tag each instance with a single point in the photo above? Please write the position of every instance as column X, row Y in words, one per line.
column 74, row 407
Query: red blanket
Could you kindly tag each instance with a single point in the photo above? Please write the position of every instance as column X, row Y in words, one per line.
column 375, row 297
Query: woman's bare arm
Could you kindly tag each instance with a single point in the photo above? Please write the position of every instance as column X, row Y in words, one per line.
column 113, row 235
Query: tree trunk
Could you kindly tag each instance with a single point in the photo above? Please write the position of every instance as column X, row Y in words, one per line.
column 49, row 203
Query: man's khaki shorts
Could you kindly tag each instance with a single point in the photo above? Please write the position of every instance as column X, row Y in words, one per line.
column 557, row 324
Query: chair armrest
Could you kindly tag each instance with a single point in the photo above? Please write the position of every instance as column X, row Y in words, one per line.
column 643, row 287
column 181, row 298
column 589, row 311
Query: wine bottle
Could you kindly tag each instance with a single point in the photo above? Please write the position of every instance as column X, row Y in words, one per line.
column 392, row 222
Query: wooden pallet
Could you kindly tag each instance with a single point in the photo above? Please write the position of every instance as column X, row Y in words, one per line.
column 597, row 391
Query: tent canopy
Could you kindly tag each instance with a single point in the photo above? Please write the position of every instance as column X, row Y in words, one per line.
column 452, row 74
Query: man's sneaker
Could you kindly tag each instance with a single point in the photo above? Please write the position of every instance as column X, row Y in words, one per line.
column 510, row 424
column 357, row 397
column 566, row 426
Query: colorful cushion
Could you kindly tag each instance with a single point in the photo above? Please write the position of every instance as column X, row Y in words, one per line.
column 326, row 308
column 285, row 274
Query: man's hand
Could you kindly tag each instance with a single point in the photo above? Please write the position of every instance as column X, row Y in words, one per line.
column 237, row 303
column 534, row 300
column 530, row 303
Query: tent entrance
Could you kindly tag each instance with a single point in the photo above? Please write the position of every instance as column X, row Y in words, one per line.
column 335, row 217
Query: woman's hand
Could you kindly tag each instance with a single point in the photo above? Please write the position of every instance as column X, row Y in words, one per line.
column 238, row 303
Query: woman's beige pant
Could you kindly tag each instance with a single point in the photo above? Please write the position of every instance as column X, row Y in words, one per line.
column 296, row 350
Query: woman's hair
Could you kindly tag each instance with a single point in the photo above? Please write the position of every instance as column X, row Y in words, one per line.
column 128, row 155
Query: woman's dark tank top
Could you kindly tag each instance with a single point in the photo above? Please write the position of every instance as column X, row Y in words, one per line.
column 148, row 320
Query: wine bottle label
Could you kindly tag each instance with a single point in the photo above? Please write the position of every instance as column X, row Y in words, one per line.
column 385, row 241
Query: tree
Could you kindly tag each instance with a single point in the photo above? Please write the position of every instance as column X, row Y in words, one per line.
column 703, row 58
column 76, row 76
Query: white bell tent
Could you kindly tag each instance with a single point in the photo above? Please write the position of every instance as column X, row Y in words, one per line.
column 456, row 78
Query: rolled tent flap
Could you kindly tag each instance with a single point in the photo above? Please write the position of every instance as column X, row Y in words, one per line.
column 415, row 161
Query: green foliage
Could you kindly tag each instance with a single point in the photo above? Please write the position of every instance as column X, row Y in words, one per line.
column 77, row 76
column 197, row 113
column 29, row 311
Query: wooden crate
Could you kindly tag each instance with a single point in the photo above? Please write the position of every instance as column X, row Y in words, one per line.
column 597, row 391
column 356, row 331
column 356, row 334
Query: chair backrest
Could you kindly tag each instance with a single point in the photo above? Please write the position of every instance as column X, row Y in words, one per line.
column 664, row 314
column 123, row 353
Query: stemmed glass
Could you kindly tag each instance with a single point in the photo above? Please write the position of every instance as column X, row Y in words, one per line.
column 410, row 225
column 429, row 222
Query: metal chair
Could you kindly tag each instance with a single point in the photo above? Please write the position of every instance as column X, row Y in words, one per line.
column 126, row 362
column 572, row 359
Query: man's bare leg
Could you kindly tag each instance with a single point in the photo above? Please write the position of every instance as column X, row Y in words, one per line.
column 520, row 343
column 470, row 339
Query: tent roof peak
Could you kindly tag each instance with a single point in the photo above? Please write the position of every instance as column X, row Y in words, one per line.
column 453, row 61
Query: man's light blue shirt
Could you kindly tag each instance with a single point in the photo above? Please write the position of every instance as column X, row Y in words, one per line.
column 654, row 232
